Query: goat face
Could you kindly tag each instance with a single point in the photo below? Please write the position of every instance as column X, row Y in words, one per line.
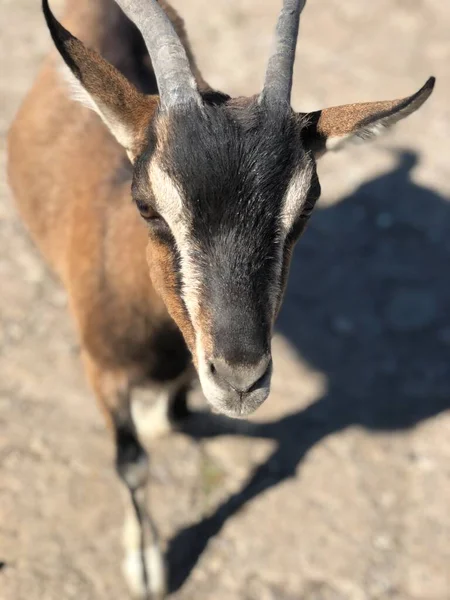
column 225, row 190
column 226, row 187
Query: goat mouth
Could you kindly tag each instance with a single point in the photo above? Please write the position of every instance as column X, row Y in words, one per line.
column 242, row 411
column 240, row 405
column 231, row 402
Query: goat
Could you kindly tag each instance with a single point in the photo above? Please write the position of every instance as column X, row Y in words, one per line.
column 223, row 186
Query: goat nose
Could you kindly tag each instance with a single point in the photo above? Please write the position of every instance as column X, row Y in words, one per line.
column 241, row 378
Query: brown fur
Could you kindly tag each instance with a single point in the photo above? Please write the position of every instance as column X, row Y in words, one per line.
column 71, row 181
column 162, row 272
column 340, row 120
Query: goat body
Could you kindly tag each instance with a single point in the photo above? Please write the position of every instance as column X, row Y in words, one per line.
column 71, row 181
column 224, row 188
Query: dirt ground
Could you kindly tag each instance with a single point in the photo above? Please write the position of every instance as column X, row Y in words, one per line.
column 339, row 487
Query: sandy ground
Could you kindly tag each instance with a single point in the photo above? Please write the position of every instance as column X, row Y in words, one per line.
column 339, row 488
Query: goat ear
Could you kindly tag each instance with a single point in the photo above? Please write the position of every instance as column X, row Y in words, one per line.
column 101, row 87
column 332, row 128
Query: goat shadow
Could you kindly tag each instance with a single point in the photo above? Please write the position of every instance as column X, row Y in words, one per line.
column 368, row 304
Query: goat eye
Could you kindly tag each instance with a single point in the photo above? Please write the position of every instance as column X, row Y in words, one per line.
column 152, row 218
column 145, row 210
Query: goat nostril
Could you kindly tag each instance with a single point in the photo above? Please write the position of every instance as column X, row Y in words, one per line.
column 212, row 369
column 260, row 379
column 242, row 379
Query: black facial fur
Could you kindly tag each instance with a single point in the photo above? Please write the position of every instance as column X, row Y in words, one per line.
column 233, row 165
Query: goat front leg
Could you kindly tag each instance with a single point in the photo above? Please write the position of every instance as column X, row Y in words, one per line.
column 143, row 564
column 168, row 413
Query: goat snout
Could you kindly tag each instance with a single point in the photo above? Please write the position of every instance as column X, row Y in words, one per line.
column 236, row 390
column 240, row 378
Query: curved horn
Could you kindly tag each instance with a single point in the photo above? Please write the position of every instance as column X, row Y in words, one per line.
column 278, row 83
column 176, row 83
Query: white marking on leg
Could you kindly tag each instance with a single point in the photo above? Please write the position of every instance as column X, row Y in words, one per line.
column 154, row 563
column 136, row 474
column 134, row 558
column 153, row 421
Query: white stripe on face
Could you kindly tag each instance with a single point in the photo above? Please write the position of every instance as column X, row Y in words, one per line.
column 293, row 202
column 295, row 197
column 168, row 200
column 169, row 203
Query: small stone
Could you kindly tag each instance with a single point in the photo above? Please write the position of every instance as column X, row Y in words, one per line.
column 32, row 268
column 15, row 332
column 382, row 542
column 388, row 365
column 342, row 325
column 388, row 499
column 426, row 464
column 330, row 222
column 384, row 220
column 59, row 298
column 411, row 310
column 444, row 335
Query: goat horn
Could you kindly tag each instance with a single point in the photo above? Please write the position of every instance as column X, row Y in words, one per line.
column 278, row 82
column 176, row 83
